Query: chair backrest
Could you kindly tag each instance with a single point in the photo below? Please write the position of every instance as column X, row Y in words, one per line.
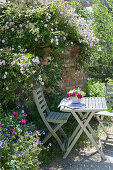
column 109, row 94
column 41, row 103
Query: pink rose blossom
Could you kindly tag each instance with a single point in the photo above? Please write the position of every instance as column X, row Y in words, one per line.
column 73, row 94
column 25, row 115
column 23, row 121
column 68, row 94
column 1, row 126
column 37, row 132
column 11, row 131
column 79, row 96
column 15, row 114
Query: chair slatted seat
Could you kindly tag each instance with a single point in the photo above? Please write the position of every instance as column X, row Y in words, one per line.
column 100, row 115
column 56, row 118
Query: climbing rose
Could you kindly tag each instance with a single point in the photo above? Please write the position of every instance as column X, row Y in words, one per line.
column 11, row 131
column 15, row 114
column 23, row 121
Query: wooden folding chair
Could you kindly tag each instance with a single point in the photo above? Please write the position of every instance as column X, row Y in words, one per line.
column 50, row 118
column 100, row 115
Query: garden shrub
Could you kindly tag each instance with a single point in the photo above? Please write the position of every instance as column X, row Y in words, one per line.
column 96, row 89
column 19, row 143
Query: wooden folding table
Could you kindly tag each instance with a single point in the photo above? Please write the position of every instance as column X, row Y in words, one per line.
column 83, row 114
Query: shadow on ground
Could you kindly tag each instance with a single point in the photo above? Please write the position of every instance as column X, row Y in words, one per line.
column 84, row 159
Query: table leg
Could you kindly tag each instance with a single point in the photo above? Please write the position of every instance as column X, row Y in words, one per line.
column 89, row 127
column 78, row 127
column 78, row 135
column 83, row 126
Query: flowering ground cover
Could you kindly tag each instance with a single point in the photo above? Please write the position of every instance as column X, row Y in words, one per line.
column 19, row 142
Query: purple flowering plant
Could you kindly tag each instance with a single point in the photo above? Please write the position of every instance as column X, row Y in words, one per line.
column 19, row 143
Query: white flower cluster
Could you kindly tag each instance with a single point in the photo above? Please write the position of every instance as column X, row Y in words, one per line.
column 36, row 60
column 2, row 62
column 83, row 28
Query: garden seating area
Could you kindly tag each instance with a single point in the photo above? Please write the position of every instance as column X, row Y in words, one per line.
column 56, row 84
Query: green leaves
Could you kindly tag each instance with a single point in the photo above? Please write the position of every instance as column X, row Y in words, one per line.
column 102, row 25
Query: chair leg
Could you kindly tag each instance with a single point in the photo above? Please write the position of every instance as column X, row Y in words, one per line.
column 63, row 133
column 101, row 124
column 52, row 132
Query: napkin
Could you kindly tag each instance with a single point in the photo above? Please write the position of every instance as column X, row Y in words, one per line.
column 66, row 102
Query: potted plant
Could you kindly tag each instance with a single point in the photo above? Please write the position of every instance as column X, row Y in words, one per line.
column 75, row 95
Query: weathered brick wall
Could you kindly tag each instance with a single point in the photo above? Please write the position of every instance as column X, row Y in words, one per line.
column 84, row 4
column 71, row 78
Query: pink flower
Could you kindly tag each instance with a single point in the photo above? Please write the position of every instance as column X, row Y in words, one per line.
column 15, row 114
column 68, row 94
column 37, row 132
column 31, row 85
column 11, row 131
column 73, row 94
column 74, row 88
column 25, row 115
column 1, row 126
column 79, row 96
column 23, row 121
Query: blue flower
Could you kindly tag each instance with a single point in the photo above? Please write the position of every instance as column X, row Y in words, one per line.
column 26, row 132
column 16, row 152
column 3, row 141
column 1, row 144
column 24, row 145
column 23, row 140
column 18, row 135
column 38, row 141
column 12, row 142
column 5, row 129
column 24, row 156
column 44, row 133
column 50, row 144
column 7, row 134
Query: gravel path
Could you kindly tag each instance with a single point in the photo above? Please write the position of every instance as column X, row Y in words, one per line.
column 86, row 159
